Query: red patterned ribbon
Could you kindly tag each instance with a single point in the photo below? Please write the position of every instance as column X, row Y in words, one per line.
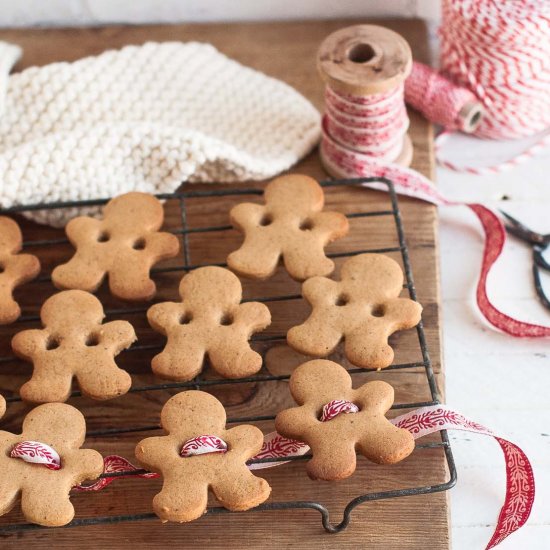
column 520, row 483
column 37, row 453
column 411, row 183
column 333, row 408
column 203, row 444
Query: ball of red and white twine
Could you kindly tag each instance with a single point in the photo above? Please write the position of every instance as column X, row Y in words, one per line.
column 501, row 52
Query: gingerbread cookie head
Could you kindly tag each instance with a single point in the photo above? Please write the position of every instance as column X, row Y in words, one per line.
column 58, row 431
column 15, row 268
column 337, row 421
column 209, row 321
column 199, row 453
column 124, row 245
column 363, row 308
column 74, row 343
column 290, row 225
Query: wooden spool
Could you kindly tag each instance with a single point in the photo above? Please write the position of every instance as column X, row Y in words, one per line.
column 364, row 60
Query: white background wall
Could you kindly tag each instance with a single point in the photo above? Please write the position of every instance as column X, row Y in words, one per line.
column 21, row 13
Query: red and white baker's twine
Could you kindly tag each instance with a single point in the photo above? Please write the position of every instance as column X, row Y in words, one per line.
column 520, row 483
column 501, row 52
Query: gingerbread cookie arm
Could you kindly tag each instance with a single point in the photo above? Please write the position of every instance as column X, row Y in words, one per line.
column 294, row 423
column 404, row 313
column 158, row 246
column 329, row 226
column 17, row 270
column 165, row 315
column 9, row 484
column 253, row 316
column 247, row 216
column 117, row 335
column 320, row 291
column 151, row 452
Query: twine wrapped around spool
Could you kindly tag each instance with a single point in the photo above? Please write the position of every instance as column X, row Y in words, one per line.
column 365, row 67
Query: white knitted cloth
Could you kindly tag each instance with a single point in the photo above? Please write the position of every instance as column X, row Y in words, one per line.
column 144, row 117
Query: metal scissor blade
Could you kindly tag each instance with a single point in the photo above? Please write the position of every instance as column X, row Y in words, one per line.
column 521, row 231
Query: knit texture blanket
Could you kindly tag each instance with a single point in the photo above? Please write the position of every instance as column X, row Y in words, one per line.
column 143, row 118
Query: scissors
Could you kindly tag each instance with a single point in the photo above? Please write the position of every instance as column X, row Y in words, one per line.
column 539, row 243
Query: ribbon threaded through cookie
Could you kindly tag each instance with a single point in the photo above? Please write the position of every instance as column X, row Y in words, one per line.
column 203, row 444
column 37, row 453
column 520, row 482
column 335, row 407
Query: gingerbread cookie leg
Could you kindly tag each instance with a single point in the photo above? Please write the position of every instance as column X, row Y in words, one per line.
column 54, row 511
column 233, row 359
column 314, row 337
column 332, row 461
column 182, row 359
column 172, row 504
column 104, row 385
column 254, row 259
column 47, row 385
column 133, row 285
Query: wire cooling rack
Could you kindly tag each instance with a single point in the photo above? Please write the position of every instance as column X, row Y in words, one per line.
column 184, row 230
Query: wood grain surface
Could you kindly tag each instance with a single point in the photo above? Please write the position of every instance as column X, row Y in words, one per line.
column 286, row 51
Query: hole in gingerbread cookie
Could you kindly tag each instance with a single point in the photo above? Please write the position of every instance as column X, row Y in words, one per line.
column 378, row 311
column 306, row 225
column 52, row 343
column 103, row 237
column 185, row 319
column 92, row 340
column 2, row 268
column 342, row 300
column 226, row 320
column 139, row 244
column 266, row 220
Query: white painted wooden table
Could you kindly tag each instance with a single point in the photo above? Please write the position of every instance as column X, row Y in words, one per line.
column 515, row 402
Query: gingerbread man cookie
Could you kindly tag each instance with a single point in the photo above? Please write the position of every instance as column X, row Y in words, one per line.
column 200, row 454
column 124, row 245
column 2, row 406
column 291, row 225
column 210, row 320
column 337, row 421
column 15, row 268
column 52, row 429
column 73, row 342
column 363, row 308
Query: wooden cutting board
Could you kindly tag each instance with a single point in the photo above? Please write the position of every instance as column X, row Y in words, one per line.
column 285, row 51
